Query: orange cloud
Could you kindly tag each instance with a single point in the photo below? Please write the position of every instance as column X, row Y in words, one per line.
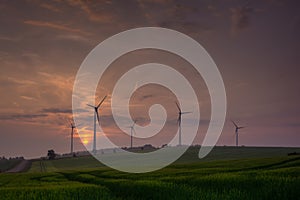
column 91, row 14
column 50, row 7
column 56, row 26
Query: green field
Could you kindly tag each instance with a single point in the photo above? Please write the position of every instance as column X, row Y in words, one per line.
column 227, row 173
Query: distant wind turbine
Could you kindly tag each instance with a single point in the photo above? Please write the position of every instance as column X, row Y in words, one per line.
column 237, row 132
column 72, row 135
column 96, row 116
column 180, row 113
column 132, row 131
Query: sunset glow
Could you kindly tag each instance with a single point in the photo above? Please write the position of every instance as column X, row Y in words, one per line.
column 85, row 141
column 255, row 45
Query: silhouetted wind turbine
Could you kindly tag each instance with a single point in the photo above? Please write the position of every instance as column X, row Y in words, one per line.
column 180, row 113
column 96, row 116
column 237, row 133
column 132, row 131
column 72, row 135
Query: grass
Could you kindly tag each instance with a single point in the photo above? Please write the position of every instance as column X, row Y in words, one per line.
column 271, row 174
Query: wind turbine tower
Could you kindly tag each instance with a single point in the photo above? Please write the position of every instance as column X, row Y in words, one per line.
column 237, row 133
column 96, row 117
column 72, row 136
column 132, row 131
column 180, row 113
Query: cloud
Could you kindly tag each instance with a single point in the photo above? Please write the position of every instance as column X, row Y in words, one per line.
column 56, row 110
column 21, row 116
column 186, row 18
column 87, row 8
column 20, row 81
column 147, row 96
column 240, row 18
column 62, row 82
column 27, row 98
column 9, row 38
column 76, row 38
column 55, row 26
column 190, row 27
column 158, row 1
column 50, row 7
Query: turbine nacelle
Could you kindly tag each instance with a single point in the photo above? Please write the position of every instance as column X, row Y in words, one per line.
column 72, row 125
column 97, row 107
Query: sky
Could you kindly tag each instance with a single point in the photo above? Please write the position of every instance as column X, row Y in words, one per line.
column 255, row 45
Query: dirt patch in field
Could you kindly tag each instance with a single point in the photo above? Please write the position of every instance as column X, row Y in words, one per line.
column 23, row 166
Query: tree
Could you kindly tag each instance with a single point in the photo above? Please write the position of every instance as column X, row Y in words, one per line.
column 51, row 154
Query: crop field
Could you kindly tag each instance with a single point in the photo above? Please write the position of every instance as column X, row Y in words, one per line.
column 227, row 173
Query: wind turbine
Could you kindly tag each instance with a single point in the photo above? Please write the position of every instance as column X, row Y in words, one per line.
column 132, row 131
column 96, row 116
column 72, row 135
column 180, row 113
column 237, row 133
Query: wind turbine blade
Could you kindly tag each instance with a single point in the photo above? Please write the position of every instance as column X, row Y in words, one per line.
column 70, row 122
column 97, row 115
column 179, row 121
column 241, row 127
column 186, row 113
column 234, row 124
column 90, row 105
column 133, row 130
column 101, row 101
column 178, row 107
